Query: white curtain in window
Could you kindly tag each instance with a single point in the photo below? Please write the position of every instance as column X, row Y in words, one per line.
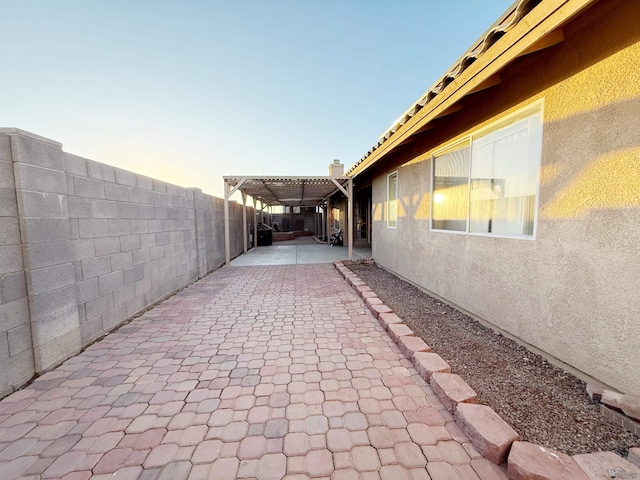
column 451, row 189
column 504, row 177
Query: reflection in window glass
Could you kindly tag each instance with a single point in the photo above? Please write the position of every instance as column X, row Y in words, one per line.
column 335, row 213
column 392, row 200
column 451, row 189
column 489, row 184
column 504, row 177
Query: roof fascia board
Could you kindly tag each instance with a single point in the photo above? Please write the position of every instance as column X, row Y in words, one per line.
column 541, row 21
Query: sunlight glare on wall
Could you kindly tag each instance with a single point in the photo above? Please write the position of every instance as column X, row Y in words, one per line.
column 611, row 181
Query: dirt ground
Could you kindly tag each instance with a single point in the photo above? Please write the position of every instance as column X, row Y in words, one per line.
column 543, row 403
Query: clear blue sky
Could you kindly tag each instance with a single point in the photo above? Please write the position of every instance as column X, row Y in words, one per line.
column 189, row 91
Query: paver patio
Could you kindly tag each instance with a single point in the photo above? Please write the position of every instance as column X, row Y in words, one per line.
column 263, row 372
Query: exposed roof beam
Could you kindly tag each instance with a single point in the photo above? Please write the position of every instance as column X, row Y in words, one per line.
column 268, row 189
column 340, row 187
column 235, row 188
column 488, row 83
column 553, row 38
column 456, row 107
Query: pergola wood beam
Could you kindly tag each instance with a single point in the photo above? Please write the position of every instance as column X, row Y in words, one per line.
column 235, row 188
column 340, row 187
column 269, row 190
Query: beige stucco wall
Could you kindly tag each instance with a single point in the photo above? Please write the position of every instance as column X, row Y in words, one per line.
column 573, row 291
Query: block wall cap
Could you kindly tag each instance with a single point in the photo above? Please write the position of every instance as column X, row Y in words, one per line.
column 16, row 131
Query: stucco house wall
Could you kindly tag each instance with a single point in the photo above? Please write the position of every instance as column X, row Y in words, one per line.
column 572, row 291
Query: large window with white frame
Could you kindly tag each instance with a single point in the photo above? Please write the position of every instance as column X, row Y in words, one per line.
column 487, row 184
column 392, row 200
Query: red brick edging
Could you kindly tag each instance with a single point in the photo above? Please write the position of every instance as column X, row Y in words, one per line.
column 495, row 439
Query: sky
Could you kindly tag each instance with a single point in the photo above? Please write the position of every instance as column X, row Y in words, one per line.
column 188, row 91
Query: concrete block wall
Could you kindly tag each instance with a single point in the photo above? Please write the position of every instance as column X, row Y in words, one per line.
column 288, row 222
column 47, row 248
column 85, row 246
column 16, row 352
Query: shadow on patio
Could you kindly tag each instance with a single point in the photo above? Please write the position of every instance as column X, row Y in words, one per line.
column 302, row 250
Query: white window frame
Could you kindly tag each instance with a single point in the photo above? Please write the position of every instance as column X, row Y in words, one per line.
column 536, row 108
column 389, row 202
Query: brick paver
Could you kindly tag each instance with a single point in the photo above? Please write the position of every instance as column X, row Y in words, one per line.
column 265, row 372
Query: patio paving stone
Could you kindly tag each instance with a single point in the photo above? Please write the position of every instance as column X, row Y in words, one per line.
column 263, row 372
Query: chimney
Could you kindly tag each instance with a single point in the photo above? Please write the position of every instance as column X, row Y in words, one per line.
column 336, row 169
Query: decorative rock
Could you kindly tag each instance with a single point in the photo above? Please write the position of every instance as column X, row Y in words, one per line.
column 594, row 391
column 629, row 404
column 428, row 363
column 387, row 319
column 452, row 389
column 491, row 435
column 397, row 330
column 362, row 288
column 528, row 461
column 410, row 345
column 611, row 398
column 598, row 465
column 634, row 456
column 373, row 301
column 378, row 309
column 352, row 279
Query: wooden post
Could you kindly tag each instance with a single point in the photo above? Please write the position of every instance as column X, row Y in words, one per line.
column 369, row 220
column 350, row 217
column 324, row 222
column 255, row 224
column 244, row 221
column 227, row 246
column 329, row 226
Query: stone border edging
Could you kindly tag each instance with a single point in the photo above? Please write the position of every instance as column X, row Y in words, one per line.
column 491, row 436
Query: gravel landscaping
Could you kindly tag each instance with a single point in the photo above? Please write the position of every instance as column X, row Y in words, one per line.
column 543, row 403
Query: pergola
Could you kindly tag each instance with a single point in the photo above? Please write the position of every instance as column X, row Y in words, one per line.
column 287, row 192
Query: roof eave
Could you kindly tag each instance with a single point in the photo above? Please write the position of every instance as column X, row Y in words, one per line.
column 526, row 36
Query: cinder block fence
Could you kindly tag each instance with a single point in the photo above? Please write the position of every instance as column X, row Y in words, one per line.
column 85, row 246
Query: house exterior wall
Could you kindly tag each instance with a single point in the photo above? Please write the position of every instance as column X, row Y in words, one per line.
column 571, row 292
column 85, row 246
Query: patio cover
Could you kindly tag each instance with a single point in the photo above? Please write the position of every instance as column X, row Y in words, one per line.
column 288, row 192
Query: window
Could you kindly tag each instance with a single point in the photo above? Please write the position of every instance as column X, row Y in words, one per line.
column 335, row 213
column 451, row 188
column 392, row 200
column 488, row 183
